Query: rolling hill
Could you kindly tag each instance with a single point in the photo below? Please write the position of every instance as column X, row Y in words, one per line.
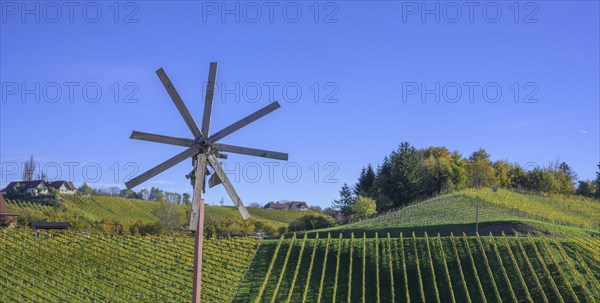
column 90, row 211
column 529, row 249
column 500, row 210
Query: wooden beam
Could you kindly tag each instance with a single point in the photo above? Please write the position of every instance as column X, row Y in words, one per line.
column 162, row 139
column 162, row 167
column 197, row 222
column 237, row 201
column 243, row 122
column 250, row 151
column 198, row 252
column 214, row 181
column 183, row 111
column 208, row 99
column 199, row 174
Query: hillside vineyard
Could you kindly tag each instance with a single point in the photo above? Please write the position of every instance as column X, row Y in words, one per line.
column 74, row 268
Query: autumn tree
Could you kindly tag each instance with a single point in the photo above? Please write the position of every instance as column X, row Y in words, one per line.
column 480, row 170
column 364, row 207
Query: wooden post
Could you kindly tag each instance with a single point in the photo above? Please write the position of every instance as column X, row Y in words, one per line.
column 198, row 255
column 199, row 237
column 477, row 217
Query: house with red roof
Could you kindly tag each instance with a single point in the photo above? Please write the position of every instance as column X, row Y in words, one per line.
column 6, row 216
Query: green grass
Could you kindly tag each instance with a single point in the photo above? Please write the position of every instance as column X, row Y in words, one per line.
column 490, row 271
column 499, row 211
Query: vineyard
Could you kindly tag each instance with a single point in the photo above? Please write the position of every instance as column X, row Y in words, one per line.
column 425, row 252
column 424, row 269
column 498, row 210
column 19, row 205
column 131, row 210
column 75, row 268
column 128, row 211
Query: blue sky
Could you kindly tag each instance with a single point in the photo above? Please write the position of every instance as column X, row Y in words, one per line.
column 360, row 68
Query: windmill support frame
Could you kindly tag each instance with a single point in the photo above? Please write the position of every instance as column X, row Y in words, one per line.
column 205, row 152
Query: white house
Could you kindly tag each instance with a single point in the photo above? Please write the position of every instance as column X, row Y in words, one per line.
column 64, row 187
column 293, row 205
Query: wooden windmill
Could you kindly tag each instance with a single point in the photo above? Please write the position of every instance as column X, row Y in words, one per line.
column 204, row 151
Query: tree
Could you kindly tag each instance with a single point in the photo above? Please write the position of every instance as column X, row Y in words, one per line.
column 518, row 177
column 28, row 169
column 170, row 215
column 114, row 191
column 172, row 197
column 597, row 181
column 436, row 174
column 366, row 182
column 566, row 178
column 543, row 180
column 458, row 166
column 186, row 199
column 129, row 194
column 502, row 172
column 255, row 205
column 586, row 188
column 144, row 194
column 86, row 189
column 405, row 175
column 481, row 172
column 383, row 185
column 329, row 211
column 315, row 208
column 344, row 204
column 364, row 207
column 156, row 194
column 55, row 193
column 309, row 222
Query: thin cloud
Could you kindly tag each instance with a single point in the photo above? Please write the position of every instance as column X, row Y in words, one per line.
column 162, row 182
column 583, row 131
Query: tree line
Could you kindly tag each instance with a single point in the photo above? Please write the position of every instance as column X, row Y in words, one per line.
column 409, row 174
column 154, row 194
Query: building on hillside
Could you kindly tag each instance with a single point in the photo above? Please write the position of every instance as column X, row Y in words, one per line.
column 38, row 188
column 63, row 187
column 27, row 188
column 298, row 205
column 49, row 225
column 6, row 217
column 292, row 205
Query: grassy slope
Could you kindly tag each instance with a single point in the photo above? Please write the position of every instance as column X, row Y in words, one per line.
column 564, row 270
column 498, row 211
column 72, row 268
column 128, row 211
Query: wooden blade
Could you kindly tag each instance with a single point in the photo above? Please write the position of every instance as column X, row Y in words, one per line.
column 162, row 139
column 214, row 163
column 245, row 121
column 200, row 173
column 214, row 181
column 208, row 99
column 161, row 167
column 185, row 113
column 250, row 151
